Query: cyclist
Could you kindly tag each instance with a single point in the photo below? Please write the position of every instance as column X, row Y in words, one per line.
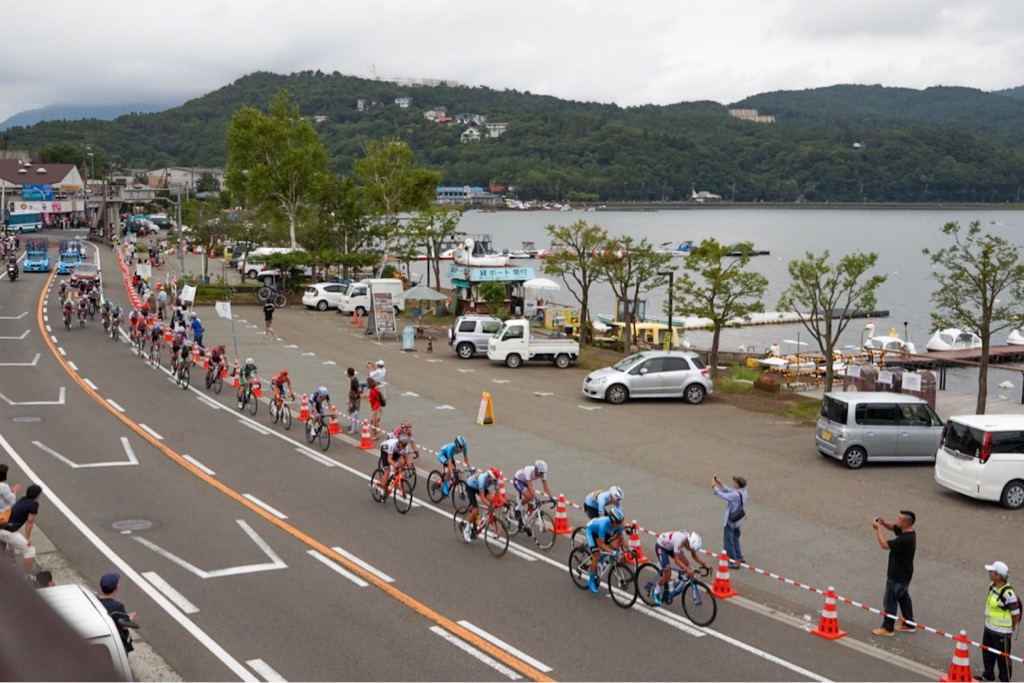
column 446, row 456
column 83, row 308
column 218, row 361
column 604, row 535
column 246, row 375
column 177, row 340
column 140, row 328
column 156, row 337
column 523, row 481
column 278, row 382
column 62, row 289
column 69, row 310
column 394, row 454
column 406, row 428
column 116, row 315
column 319, row 403
column 105, row 314
column 94, row 302
column 597, row 502
column 185, row 353
column 670, row 546
column 478, row 486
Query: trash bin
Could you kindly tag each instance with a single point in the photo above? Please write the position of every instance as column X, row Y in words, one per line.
column 889, row 379
column 924, row 387
column 860, row 377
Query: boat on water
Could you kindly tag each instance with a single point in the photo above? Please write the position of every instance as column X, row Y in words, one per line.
column 680, row 249
column 745, row 249
column 890, row 343
column 472, row 253
column 528, row 251
column 775, row 361
column 1015, row 338
column 954, row 339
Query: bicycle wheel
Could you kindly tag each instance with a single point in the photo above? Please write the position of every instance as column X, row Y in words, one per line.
column 186, row 377
column 410, row 476
column 376, row 491
column 507, row 514
column 275, row 412
column 218, row 383
column 263, row 293
column 543, row 529
column 579, row 537
column 434, row 491
column 457, row 524
column 622, row 585
column 579, row 567
column 699, row 603
column 460, row 499
column 310, row 435
column 325, row 437
column 280, row 300
column 647, row 576
column 403, row 496
column 496, row 536
column 286, row 416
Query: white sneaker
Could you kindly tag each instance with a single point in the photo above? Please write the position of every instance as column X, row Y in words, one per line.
column 467, row 533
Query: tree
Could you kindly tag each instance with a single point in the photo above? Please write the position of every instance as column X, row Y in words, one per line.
column 631, row 268
column 727, row 290
column 430, row 229
column 826, row 296
column 572, row 260
column 392, row 185
column 980, row 279
column 341, row 231
column 494, row 295
column 276, row 161
column 204, row 223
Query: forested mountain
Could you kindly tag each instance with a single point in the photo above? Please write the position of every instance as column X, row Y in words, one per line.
column 67, row 112
column 843, row 143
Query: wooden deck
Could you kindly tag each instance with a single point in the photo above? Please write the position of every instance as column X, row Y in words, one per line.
column 996, row 355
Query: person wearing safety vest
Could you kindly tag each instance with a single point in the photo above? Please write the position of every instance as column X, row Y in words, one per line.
column 1002, row 614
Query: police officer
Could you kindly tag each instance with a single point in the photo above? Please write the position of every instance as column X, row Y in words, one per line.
column 1002, row 614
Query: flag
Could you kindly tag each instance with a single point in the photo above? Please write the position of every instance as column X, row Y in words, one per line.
column 188, row 293
column 223, row 309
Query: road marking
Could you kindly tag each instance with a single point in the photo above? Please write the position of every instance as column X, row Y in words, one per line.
column 132, row 460
column 444, row 407
column 53, row 338
column 119, row 408
column 334, row 566
column 151, row 432
column 501, row 381
column 519, row 552
column 255, row 428
column 263, row 669
column 543, row 393
column 671, row 619
column 469, row 649
column 365, row 565
column 59, row 402
column 72, row 366
column 433, row 360
column 170, row 593
column 61, row 349
column 209, row 402
column 251, row 327
column 257, row 501
column 200, row 465
column 315, row 457
column 14, row 317
column 90, row 384
column 25, row 334
column 465, row 369
column 329, row 362
column 309, row 353
column 590, row 408
column 410, row 394
column 34, row 361
column 292, row 346
column 540, row 666
column 275, row 563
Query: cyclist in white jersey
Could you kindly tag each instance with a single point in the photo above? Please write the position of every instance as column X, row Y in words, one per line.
column 523, row 481
column 671, row 546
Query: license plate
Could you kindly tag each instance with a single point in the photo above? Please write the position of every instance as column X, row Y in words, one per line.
column 955, row 462
column 827, row 435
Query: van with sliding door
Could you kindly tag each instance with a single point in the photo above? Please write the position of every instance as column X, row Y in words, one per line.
column 982, row 456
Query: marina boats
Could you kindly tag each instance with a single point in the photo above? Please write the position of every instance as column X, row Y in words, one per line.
column 775, row 361
column 1015, row 338
column 954, row 339
column 890, row 343
column 472, row 253
column 680, row 249
column 528, row 251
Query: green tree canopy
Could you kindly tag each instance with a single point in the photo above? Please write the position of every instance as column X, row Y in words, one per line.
column 631, row 268
column 572, row 261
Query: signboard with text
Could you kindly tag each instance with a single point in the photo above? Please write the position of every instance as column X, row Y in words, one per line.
column 384, row 314
column 480, row 274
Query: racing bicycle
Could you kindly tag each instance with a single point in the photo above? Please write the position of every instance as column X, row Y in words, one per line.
column 698, row 602
column 538, row 524
column 616, row 568
column 279, row 410
column 398, row 488
column 494, row 530
column 456, row 487
column 316, row 428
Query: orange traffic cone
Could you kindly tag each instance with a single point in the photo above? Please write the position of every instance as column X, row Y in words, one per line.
column 304, row 409
column 333, row 427
column 257, row 390
column 722, row 587
column 168, row 337
column 828, row 627
column 562, row 518
column 960, row 669
column 197, row 355
column 366, row 443
column 206, row 361
column 357, row 320
column 634, row 543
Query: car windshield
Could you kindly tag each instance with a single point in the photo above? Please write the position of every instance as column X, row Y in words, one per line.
column 626, row 363
column 85, row 270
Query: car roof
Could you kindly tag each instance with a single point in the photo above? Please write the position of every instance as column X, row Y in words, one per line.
column 990, row 422
column 873, row 397
column 84, row 265
column 80, row 609
column 660, row 354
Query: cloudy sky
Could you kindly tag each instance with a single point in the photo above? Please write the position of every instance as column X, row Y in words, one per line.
column 643, row 51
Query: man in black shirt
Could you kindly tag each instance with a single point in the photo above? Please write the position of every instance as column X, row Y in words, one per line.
column 901, row 570
column 23, row 515
column 109, row 583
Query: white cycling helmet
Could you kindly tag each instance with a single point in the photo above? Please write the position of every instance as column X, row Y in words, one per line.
column 694, row 540
column 615, row 492
column 541, row 467
column 249, row 361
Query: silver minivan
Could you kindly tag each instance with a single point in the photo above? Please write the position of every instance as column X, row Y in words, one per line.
column 857, row 426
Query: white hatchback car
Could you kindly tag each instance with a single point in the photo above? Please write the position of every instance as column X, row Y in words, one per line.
column 324, row 295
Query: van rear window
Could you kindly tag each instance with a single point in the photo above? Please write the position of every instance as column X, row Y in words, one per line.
column 963, row 439
column 835, row 410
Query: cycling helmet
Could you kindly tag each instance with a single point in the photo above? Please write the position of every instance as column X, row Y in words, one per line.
column 460, row 443
column 615, row 514
column 615, row 492
column 694, row 540
column 222, row 348
column 249, row 361
column 496, row 474
column 403, row 439
column 321, row 390
column 541, row 467
column 284, row 372
column 406, row 426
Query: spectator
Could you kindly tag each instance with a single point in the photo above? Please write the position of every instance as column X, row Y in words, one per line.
column 268, row 316
column 732, row 519
column 109, row 583
column 161, row 302
column 23, row 514
column 355, row 395
column 376, row 408
column 8, row 493
column 1002, row 616
column 900, row 571
column 197, row 330
column 44, row 579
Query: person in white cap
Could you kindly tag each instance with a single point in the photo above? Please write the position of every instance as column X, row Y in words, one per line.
column 1002, row 615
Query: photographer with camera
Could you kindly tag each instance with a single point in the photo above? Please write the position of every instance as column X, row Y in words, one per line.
column 901, row 570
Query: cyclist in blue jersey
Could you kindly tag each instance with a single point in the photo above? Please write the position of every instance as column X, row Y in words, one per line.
column 488, row 480
column 604, row 535
column 596, row 503
column 671, row 546
column 446, row 456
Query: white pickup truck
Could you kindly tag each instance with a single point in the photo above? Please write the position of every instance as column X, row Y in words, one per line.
column 513, row 344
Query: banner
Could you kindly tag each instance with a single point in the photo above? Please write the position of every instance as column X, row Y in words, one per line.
column 223, row 309
column 188, row 293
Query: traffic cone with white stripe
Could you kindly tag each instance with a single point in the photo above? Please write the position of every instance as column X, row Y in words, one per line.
column 502, row 497
column 634, row 543
column 828, row 627
column 562, row 517
column 722, row 587
column 304, row 409
column 960, row 669
column 333, row 427
column 366, row 443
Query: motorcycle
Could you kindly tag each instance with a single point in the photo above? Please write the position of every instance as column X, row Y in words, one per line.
column 12, row 271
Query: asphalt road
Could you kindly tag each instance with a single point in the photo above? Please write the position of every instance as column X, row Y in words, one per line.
column 248, row 554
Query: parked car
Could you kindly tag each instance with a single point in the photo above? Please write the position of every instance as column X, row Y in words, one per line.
column 84, row 271
column 515, row 344
column 87, row 615
column 982, row 456
column 357, row 298
column 651, row 374
column 469, row 334
column 324, row 295
column 881, row 426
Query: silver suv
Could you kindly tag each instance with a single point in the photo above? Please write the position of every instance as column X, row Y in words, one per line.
column 469, row 335
column 651, row 374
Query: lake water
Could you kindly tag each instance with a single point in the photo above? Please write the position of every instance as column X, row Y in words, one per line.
column 897, row 236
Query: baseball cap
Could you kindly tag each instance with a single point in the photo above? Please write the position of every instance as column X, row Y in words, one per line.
column 741, row 481
column 380, row 364
column 109, row 581
column 999, row 568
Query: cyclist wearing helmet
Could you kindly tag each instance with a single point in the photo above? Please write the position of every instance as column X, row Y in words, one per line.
column 670, row 546
column 604, row 535
column 394, row 454
column 218, row 361
column 596, row 503
column 246, row 375
column 479, row 486
column 319, row 402
column 523, row 481
column 406, row 428
column 278, row 382
column 446, row 456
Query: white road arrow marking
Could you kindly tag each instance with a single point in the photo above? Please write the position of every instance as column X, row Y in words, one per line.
column 34, row 361
column 14, row 317
column 58, row 402
column 132, row 460
column 275, row 561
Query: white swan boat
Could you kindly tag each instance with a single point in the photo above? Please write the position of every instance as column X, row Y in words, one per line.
column 1015, row 338
column 890, row 343
column 469, row 254
column 953, row 339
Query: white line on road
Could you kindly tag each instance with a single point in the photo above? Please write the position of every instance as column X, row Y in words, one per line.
column 34, row 361
column 590, row 408
column 368, row 567
column 315, row 457
column 292, row 346
column 465, row 369
column 543, row 393
column 151, row 432
column 198, row 464
column 540, row 666
column 209, row 402
column 434, row 360
column 255, row 428
column 89, row 384
column 132, row 460
column 275, row 561
column 329, row 362
column 469, row 649
column 170, row 593
column 444, row 407
column 309, row 353
column 116, row 407
column 331, row 564
column 253, row 499
column 53, row 338
column 24, row 334
column 14, row 317
column 263, row 669
column 71, row 364
column 62, row 352
column 501, row 381
column 515, row 550
column 59, row 402
column 411, row 394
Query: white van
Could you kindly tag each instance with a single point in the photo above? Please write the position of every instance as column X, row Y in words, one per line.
column 357, row 298
column 256, row 259
column 86, row 614
column 982, row 456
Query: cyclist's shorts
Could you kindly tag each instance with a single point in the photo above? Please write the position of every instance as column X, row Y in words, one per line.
column 592, row 512
column 156, row 335
column 664, row 555
column 591, row 541
column 520, row 485
column 471, row 496
column 444, row 458
column 279, row 386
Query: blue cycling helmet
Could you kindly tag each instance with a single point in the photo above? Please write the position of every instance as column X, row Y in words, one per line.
column 615, row 514
column 460, row 443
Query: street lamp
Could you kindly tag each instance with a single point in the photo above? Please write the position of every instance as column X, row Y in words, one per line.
column 671, row 279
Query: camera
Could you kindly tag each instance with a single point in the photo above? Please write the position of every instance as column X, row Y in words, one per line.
column 878, row 519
